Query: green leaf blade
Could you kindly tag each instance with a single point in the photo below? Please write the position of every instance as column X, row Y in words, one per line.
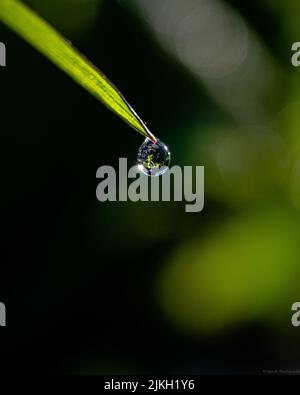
column 52, row 44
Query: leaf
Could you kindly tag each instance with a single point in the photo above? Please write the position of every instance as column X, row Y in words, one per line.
column 32, row 28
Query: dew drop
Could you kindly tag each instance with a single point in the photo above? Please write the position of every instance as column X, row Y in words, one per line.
column 153, row 158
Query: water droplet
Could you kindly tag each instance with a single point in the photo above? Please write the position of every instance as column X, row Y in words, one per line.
column 153, row 158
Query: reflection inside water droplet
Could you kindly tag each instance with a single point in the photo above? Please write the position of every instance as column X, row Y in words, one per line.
column 153, row 158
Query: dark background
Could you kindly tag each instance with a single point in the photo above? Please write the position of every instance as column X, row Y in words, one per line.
column 103, row 288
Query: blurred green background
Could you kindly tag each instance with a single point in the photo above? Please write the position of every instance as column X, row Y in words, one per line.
column 127, row 287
